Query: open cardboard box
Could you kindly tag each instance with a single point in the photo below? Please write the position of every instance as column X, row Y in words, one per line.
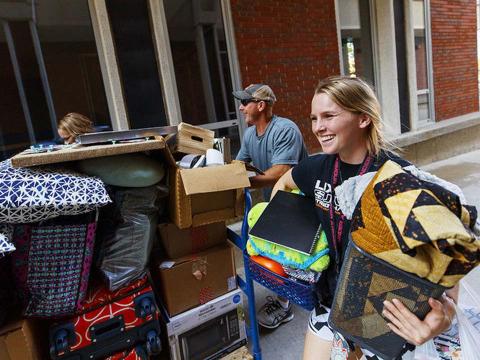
column 205, row 195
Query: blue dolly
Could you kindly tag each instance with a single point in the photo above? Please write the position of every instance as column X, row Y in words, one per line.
column 247, row 284
column 302, row 294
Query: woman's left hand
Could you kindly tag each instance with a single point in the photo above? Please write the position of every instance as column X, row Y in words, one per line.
column 407, row 325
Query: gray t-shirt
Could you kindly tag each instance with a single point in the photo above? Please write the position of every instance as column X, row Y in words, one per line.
column 281, row 144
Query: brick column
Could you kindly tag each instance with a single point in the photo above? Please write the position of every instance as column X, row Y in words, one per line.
column 454, row 50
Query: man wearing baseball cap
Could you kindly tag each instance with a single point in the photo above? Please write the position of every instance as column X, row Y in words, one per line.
column 273, row 144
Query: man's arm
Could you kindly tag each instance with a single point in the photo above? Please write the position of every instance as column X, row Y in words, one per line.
column 270, row 176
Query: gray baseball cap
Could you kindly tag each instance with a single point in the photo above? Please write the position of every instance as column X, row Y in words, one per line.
column 256, row 91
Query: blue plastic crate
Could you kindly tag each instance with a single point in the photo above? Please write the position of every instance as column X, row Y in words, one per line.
column 297, row 291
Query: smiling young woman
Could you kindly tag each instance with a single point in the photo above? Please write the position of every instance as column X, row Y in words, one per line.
column 346, row 120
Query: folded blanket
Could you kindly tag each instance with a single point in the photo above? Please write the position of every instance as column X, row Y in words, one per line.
column 417, row 226
column 317, row 261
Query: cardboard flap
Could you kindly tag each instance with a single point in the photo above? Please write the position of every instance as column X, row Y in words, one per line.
column 215, row 178
column 167, row 154
column 12, row 327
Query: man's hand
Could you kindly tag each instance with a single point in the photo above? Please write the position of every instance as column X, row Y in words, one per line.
column 407, row 325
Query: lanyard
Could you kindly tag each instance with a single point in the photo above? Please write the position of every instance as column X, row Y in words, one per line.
column 337, row 235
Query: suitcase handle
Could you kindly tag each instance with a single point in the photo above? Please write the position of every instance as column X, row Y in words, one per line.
column 110, row 328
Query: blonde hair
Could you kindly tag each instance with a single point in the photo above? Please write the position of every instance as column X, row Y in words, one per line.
column 356, row 96
column 76, row 124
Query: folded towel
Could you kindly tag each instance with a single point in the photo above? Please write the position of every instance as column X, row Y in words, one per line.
column 317, row 261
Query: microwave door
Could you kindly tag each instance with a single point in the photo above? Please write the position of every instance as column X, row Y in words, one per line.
column 206, row 339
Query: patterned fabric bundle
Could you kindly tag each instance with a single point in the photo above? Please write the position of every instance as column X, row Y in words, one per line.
column 5, row 239
column 52, row 264
column 308, row 276
column 416, row 226
column 35, row 194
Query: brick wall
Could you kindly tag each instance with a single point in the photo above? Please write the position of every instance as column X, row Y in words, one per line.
column 289, row 45
column 454, row 48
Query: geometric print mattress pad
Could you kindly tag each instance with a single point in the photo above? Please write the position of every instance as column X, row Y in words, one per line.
column 34, row 194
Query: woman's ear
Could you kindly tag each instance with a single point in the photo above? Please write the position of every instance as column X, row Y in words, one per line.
column 364, row 121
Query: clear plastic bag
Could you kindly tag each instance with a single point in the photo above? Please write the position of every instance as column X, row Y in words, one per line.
column 127, row 230
column 426, row 351
column 468, row 315
column 465, row 329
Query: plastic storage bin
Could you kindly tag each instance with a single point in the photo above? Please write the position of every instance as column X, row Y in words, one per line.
column 297, row 291
column 364, row 283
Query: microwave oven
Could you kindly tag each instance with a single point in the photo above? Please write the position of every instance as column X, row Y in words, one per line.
column 208, row 331
column 210, row 337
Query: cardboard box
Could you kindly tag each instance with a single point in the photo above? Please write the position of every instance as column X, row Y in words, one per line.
column 79, row 152
column 20, row 340
column 193, row 139
column 220, row 320
column 207, row 195
column 180, row 242
column 196, row 279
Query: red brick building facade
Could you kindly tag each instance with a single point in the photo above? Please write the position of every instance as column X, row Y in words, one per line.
column 455, row 67
column 289, row 46
column 152, row 63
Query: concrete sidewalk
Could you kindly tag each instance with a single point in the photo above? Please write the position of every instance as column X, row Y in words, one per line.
column 286, row 342
column 463, row 170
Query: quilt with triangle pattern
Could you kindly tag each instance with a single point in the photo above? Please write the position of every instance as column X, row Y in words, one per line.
column 416, row 226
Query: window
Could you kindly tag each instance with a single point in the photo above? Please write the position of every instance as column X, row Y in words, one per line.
column 202, row 71
column 197, row 41
column 71, row 60
column 133, row 41
column 15, row 132
column 356, row 38
column 422, row 59
column 49, row 67
column 168, row 61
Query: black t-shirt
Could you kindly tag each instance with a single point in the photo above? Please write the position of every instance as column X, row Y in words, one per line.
column 313, row 176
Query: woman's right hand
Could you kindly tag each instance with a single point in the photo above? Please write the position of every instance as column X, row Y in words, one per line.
column 285, row 183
